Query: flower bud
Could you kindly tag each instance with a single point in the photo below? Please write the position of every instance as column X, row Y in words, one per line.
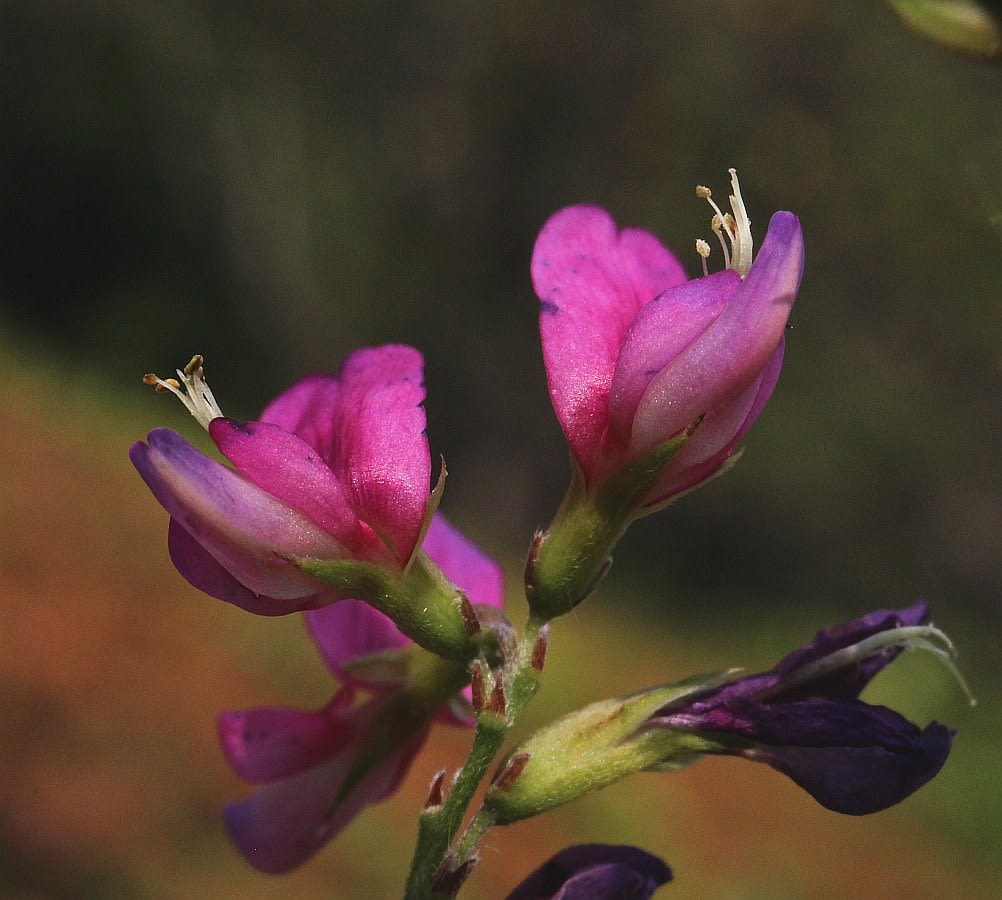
column 590, row 749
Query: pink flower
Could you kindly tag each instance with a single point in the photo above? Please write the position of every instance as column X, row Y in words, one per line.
column 636, row 354
column 320, row 769
column 335, row 469
column 654, row 377
column 306, row 761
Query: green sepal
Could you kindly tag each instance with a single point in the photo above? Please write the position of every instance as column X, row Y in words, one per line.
column 571, row 557
column 421, row 601
column 593, row 747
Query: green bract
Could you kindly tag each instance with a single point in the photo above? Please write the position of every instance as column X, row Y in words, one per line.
column 592, row 748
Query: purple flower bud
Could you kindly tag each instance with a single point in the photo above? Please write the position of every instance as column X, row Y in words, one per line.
column 595, row 872
column 804, row 718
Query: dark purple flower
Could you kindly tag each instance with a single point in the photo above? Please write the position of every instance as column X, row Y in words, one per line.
column 595, row 872
column 805, row 719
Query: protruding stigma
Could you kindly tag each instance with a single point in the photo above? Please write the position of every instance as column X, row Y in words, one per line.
column 196, row 396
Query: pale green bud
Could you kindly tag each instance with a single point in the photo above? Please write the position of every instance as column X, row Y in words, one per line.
column 592, row 748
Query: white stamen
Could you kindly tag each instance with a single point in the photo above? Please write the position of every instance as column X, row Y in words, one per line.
column 732, row 229
column 196, row 396
column 718, row 225
column 703, row 251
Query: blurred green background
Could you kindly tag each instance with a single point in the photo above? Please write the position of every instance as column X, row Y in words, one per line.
column 274, row 184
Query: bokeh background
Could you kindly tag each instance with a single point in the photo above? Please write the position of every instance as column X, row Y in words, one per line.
column 275, row 184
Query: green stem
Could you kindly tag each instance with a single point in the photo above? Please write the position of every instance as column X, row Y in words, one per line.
column 438, row 827
column 571, row 557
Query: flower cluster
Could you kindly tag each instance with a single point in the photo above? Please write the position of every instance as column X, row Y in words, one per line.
column 803, row 717
column 327, row 509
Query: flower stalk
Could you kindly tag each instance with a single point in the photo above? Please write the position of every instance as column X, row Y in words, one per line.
column 433, row 862
column 324, row 506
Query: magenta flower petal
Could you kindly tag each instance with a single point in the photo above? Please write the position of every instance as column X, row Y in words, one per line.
column 734, row 350
column 658, row 334
column 351, row 629
column 289, row 468
column 285, row 822
column 719, row 431
column 464, row 563
column 247, row 530
column 204, row 571
column 380, row 450
column 266, row 744
column 307, row 410
column 764, row 387
column 595, row 872
column 591, row 281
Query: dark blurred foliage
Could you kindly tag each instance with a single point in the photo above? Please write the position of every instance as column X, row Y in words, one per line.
column 273, row 185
